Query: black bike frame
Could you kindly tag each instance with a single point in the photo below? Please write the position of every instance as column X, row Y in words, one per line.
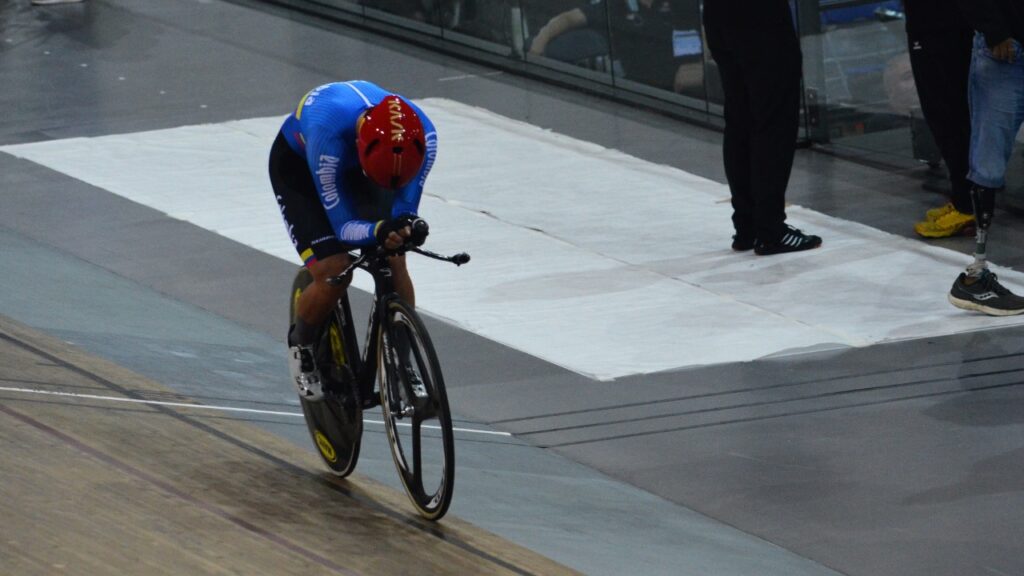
column 375, row 261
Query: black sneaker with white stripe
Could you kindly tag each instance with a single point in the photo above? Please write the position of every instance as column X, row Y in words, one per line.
column 985, row 294
column 792, row 240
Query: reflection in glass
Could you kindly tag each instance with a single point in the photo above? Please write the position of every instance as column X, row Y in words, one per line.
column 417, row 10
column 657, row 43
column 490, row 20
column 573, row 36
column 346, row 5
column 653, row 42
column 865, row 74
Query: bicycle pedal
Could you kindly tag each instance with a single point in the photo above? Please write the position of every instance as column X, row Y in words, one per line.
column 400, row 409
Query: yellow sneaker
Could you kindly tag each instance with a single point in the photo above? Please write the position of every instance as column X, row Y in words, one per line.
column 951, row 223
column 936, row 213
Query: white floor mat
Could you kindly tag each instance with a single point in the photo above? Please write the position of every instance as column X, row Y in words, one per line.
column 594, row 260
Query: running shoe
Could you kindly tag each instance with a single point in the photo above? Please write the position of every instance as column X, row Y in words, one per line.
column 985, row 294
column 792, row 240
column 936, row 213
column 950, row 223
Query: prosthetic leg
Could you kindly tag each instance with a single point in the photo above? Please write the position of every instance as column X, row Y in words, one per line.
column 984, row 201
column 977, row 288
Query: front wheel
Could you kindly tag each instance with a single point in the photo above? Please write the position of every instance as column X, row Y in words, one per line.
column 415, row 406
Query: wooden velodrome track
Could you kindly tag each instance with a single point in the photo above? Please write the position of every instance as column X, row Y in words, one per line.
column 90, row 486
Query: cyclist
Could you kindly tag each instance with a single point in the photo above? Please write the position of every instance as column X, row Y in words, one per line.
column 348, row 169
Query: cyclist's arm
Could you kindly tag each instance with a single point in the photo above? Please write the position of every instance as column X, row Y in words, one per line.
column 407, row 198
column 325, row 157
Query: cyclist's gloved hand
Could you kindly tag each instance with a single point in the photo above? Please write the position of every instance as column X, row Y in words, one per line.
column 418, row 229
column 407, row 229
column 389, row 235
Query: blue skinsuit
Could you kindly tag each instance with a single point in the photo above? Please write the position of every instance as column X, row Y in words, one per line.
column 323, row 131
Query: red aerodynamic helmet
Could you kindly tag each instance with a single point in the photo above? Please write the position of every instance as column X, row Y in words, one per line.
column 391, row 144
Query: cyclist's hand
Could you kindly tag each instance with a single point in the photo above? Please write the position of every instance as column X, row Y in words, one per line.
column 405, row 230
column 392, row 234
column 418, row 229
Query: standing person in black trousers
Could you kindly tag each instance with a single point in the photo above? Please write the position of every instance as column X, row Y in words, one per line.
column 939, row 39
column 755, row 45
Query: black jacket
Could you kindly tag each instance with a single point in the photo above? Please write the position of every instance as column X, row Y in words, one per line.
column 925, row 16
column 996, row 19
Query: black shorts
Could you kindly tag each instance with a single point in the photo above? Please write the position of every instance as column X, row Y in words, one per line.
column 304, row 216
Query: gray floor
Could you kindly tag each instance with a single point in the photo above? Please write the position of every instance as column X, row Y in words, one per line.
column 895, row 459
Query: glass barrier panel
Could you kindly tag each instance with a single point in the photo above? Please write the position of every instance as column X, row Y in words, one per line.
column 568, row 35
column 859, row 92
column 491, row 25
column 857, row 75
column 655, row 43
column 420, row 15
column 346, row 5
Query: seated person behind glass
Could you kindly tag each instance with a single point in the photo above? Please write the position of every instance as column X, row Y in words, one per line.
column 642, row 32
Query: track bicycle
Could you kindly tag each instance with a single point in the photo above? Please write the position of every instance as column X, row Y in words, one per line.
column 398, row 370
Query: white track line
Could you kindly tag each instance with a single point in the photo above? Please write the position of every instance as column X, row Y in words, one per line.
column 209, row 407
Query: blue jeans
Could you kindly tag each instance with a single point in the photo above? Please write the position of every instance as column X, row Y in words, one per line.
column 997, row 110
